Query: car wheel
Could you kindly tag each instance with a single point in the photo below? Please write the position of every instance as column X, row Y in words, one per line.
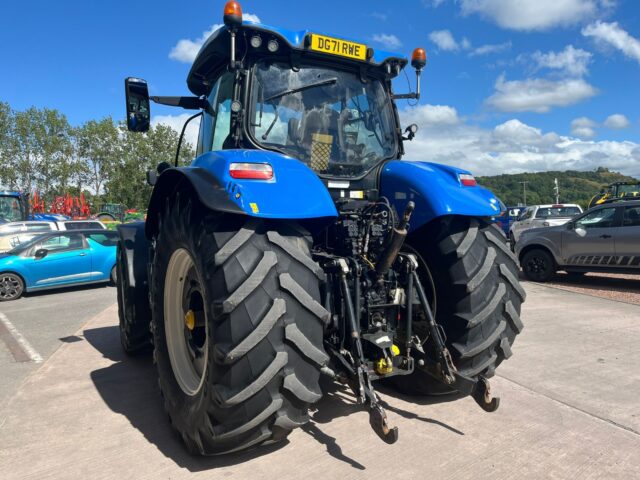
column 11, row 287
column 538, row 265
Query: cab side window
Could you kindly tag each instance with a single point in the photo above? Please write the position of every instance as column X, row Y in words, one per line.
column 222, row 107
column 62, row 243
column 631, row 217
column 601, row 218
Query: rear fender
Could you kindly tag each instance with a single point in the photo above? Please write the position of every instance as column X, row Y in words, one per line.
column 135, row 246
column 436, row 191
column 294, row 193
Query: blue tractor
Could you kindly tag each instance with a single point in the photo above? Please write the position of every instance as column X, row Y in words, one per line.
column 14, row 207
column 299, row 244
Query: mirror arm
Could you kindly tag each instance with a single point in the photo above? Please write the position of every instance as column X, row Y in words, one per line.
column 188, row 103
column 184, row 127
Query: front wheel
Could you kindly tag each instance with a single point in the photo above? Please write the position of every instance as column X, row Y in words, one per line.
column 11, row 287
column 538, row 265
column 477, row 297
column 237, row 327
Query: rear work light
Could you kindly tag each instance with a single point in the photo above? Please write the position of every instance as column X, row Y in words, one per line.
column 251, row 171
column 467, row 180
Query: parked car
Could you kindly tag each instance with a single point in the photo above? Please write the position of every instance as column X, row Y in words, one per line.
column 605, row 239
column 80, row 225
column 27, row 226
column 57, row 259
column 506, row 218
column 535, row 216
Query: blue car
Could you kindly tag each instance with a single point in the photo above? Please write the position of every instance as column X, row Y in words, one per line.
column 58, row 259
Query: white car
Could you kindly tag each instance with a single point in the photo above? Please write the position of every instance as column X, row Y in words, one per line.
column 27, row 226
column 536, row 216
column 80, row 224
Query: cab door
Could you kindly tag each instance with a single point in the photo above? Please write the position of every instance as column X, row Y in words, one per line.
column 627, row 239
column 590, row 240
column 67, row 260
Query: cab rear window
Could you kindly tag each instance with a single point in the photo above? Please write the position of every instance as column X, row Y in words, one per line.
column 553, row 212
column 107, row 239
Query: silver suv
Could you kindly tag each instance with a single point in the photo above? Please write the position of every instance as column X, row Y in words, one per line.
column 605, row 239
column 542, row 216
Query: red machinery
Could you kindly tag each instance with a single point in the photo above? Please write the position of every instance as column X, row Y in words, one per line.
column 37, row 203
column 74, row 207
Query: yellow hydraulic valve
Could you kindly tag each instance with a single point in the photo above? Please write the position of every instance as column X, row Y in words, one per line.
column 190, row 319
column 384, row 366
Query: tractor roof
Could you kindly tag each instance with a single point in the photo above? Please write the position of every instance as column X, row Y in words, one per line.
column 215, row 52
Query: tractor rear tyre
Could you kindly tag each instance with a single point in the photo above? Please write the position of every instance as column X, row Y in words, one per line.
column 477, row 297
column 133, row 310
column 237, row 326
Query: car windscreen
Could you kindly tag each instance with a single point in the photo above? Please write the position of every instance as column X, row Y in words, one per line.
column 557, row 212
column 18, row 242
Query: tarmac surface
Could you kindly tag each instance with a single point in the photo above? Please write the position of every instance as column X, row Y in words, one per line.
column 569, row 409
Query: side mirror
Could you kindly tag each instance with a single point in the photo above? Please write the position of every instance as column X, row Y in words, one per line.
column 580, row 231
column 137, row 96
column 41, row 253
column 152, row 177
column 411, row 131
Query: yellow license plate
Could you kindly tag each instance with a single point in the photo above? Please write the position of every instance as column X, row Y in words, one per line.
column 335, row 46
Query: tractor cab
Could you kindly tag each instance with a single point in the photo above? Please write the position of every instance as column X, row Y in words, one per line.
column 323, row 100
column 13, row 207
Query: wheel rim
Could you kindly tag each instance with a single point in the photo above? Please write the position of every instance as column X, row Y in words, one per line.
column 10, row 287
column 185, row 323
column 537, row 266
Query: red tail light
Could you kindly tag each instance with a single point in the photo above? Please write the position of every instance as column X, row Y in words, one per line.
column 251, row 171
column 467, row 180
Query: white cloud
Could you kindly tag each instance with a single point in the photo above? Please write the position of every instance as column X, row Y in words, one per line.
column 186, row 49
column 616, row 121
column 431, row 115
column 444, row 40
column 515, row 147
column 177, row 122
column 583, row 127
column 534, row 15
column 611, row 34
column 572, row 61
column 490, row 48
column 538, row 94
column 387, row 40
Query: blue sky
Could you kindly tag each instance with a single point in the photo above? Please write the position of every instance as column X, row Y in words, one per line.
column 511, row 85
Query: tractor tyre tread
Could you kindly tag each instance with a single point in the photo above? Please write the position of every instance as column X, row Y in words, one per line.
column 259, row 383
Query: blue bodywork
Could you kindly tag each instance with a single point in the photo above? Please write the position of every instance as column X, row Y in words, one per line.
column 88, row 261
column 13, row 208
column 295, row 191
column 436, row 191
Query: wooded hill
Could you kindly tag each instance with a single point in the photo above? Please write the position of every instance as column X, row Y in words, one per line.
column 575, row 187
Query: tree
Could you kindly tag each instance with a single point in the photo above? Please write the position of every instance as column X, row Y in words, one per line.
column 98, row 148
column 138, row 154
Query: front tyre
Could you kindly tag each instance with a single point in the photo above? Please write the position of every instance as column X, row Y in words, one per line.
column 11, row 287
column 477, row 297
column 237, row 327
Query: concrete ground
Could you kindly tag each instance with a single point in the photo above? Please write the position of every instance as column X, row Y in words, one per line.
column 46, row 320
column 569, row 410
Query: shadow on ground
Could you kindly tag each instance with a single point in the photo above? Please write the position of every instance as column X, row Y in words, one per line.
column 129, row 387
